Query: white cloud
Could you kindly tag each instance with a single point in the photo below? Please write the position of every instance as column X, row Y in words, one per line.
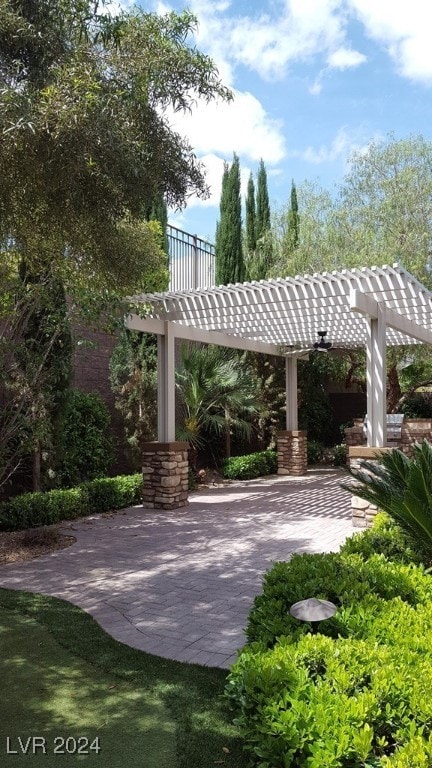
column 342, row 146
column 241, row 126
column 404, row 29
column 345, row 58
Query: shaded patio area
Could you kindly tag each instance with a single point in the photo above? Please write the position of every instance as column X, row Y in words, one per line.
column 180, row 584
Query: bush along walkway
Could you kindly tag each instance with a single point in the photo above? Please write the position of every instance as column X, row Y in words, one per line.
column 67, row 682
column 358, row 693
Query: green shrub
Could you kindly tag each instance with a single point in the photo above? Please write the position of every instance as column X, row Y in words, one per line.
column 315, row 452
column 339, row 704
column 339, row 454
column 386, row 538
column 86, row 446
column 31, row 510
column 346, row 580
column 402, row 487
column 250, row 466
column 356, row 694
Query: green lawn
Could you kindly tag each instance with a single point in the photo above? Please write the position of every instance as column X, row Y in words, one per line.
column 63, row 676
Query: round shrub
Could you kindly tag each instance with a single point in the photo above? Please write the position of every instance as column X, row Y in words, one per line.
column 86, row 443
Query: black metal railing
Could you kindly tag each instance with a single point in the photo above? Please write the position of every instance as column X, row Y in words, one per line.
column 191, row 260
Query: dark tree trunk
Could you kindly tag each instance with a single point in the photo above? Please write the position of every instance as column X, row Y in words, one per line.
column 394, row 392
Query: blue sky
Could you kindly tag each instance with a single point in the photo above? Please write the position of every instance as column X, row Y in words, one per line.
column 314, row 80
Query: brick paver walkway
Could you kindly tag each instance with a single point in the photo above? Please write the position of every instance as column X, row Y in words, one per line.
column 180, row 584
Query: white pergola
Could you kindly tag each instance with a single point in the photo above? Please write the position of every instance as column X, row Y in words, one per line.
column 370, row 307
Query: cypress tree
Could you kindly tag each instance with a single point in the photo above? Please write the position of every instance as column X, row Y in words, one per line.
column 262, row 203
column 250, row 218
column 293, row 220
column 259, row 266
column 230, row 266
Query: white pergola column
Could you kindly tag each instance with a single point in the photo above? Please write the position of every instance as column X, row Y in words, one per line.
column 291, row 393
column 166, row 384
column 376, row 374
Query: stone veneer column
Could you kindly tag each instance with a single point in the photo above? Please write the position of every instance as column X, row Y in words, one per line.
column 165, row 475
column 363, row 512
column 292, row 452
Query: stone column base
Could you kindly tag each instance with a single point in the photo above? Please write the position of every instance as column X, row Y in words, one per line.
column 363, row 512
column 292, row 452
column 165, row 475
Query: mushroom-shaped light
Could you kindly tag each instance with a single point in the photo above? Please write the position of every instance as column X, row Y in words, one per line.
column 313, row 610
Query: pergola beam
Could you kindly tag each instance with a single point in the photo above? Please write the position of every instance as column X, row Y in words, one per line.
column 366, row 305
column 190, row 333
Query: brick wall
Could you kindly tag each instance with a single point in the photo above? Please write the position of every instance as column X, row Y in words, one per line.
column 91, row 374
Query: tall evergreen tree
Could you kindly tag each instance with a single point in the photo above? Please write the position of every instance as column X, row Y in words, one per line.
column 293, row 228
column 230, row 266
column 262, row 203
column 250, row 218
column 260, row 263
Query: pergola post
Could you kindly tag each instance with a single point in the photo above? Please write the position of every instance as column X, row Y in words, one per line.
column 291, row 393
column 166, row 384
column 376, row 380
column 165, row 463
column 292, row 443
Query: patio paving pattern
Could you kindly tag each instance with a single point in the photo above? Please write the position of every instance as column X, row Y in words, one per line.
column 180, row 584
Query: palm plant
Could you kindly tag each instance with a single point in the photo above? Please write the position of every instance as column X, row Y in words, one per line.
column 216, row 392
column 402, row 487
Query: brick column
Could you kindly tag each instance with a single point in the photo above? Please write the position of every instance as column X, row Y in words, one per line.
column 363, row 512
column 165, row 475
column 292, row 452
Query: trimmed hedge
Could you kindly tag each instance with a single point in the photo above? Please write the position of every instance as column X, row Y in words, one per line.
column 31, row 510
column 384, row 537
column 356, row 694
column 250, row 466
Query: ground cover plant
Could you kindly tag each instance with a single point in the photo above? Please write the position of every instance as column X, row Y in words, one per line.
column 357, row 693
column 64, row 676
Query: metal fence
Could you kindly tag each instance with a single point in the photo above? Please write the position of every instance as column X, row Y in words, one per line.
column 191, row 260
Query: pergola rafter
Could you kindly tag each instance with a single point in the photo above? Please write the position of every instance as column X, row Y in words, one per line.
column 370, row 307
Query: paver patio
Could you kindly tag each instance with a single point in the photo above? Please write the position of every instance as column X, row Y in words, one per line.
column 180, row 584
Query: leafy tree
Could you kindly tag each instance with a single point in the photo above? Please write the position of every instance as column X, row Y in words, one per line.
column 46, row 340
column 230, row 266
column 86, row 137
column 211, row 384
column 133, row 377
column 28, row 386
column 86, row 445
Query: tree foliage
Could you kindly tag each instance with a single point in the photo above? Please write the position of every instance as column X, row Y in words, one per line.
column 133, row 377
column 86, row 139
column 250, row 218
column 211, row 383
column 230, row 266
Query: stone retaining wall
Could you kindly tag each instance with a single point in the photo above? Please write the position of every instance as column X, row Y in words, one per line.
column 413, row 431
column 292, row 452
column 363, row 512
column 165, row 475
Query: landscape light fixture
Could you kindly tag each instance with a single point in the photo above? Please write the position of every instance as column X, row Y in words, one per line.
column 321, row 345
column 313, row 610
